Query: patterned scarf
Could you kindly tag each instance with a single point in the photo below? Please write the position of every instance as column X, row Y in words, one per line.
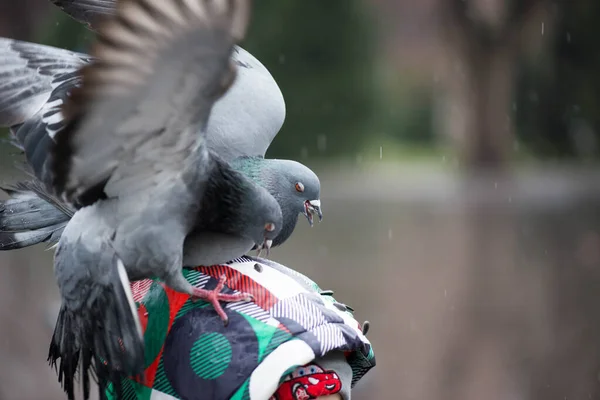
column 191, row 355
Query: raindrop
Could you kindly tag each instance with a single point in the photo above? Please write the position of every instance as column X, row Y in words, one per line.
column 412, row 324
column 542, row 29
column 443, row 158
column 304, row 152
column 495, row 185
column 533, row 96
column 381, row 152
column 323, row 250
column 322, row 143
column 445, row 293
column 568, row 37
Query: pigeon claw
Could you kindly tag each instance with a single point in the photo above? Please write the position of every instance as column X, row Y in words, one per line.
column 215, row 296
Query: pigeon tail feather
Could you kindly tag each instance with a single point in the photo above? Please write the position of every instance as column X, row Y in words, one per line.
column 102, row 340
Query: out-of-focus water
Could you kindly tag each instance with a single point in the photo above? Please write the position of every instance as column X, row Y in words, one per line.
column 484, row 288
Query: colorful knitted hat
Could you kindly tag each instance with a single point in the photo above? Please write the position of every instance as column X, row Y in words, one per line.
column 190, row 354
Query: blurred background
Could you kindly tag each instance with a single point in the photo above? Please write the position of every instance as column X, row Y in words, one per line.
column 457, row 143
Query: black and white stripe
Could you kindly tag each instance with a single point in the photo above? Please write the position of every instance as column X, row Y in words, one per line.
column 252, row 310
column 239, row 260
column 330, row 337
column 305, row 309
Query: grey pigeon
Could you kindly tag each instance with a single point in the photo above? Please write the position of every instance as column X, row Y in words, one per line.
column 291, row 183
column 131, row 158
column 241, row 127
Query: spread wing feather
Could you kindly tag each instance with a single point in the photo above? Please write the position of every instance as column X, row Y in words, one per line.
column 88, row 12
column 248, row 117
column 159, row 67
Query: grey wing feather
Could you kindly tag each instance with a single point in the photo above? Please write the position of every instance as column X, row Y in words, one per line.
column 31, row 216
column 34, row 81
column 27, row 72
column 249, row 116
column 88, row 12
column 159, row 68
column 245, row 120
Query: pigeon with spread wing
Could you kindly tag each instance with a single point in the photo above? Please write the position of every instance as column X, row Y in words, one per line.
column 241, row 127
column 131, row 158
column 36, row 79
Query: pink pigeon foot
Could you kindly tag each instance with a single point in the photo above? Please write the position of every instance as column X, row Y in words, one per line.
column 214, row 296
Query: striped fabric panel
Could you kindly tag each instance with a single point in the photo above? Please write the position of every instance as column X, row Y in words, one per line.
column 252, row 310
column 243, row 283
column 140, row 288
column 301, row 309
column 330, row 337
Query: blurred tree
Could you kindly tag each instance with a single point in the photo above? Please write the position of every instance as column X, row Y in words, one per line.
column 559, row 93
column 64, row 32
column 322, row 57
column 20, row 19
column 483, row 39
column 321, row 54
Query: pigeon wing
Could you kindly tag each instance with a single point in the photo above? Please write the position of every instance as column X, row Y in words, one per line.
column 88, row 12
column 245, row 120
column 159, row 67
column 34, row 81
column 28, row 75
column 249, row 116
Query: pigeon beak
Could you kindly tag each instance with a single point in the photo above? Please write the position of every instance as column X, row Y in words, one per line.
column 265, row 246
column 312, row 207
column 316, row 205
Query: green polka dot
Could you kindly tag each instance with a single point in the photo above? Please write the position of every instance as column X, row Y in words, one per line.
column 210, row 355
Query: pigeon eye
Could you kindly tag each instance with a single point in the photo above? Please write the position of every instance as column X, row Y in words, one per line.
column 299, row 187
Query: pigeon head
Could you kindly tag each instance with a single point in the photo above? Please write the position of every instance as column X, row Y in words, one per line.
column 235, row 205
column 297, row 190
column 264, row 216
column 295, row 187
